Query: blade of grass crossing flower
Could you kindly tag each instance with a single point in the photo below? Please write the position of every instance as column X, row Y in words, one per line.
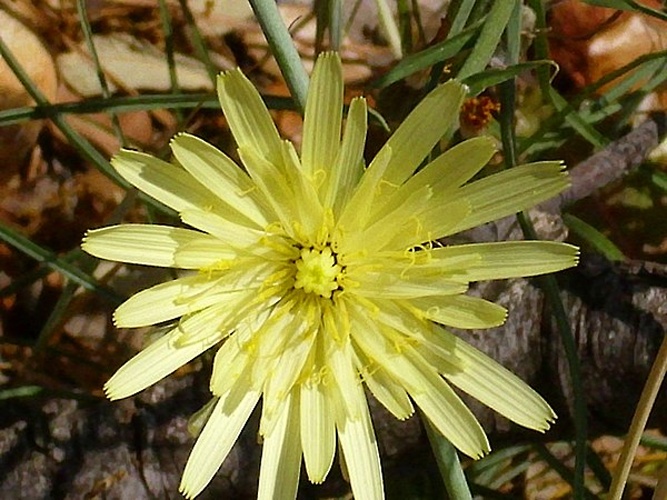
column 488, row 39
column 322, row 121
column 281, row 454
column 215, row 442
column 283, row 49
column 448, row 463
column 82, row 145
column 198, row 40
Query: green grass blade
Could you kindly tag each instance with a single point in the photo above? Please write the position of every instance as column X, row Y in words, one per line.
column 428, row 57
column 489, row 37
column 593, row 237
column 101, row 77
column 448, row 463
column 458, row 13
column 70, row 271
column 283, row 49
column 481, row 81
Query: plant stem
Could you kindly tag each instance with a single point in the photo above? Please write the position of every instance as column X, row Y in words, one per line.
column 283, row 49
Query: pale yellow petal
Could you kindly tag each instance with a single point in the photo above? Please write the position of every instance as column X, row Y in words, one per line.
column 511, row 191
column 391, row 394
column 214, row 443
column 421, row 130
column 272, row 183
column 460, row 311
column 506, row 259
column 396, row 222
column 432, row 223
column 357, row 441
column 395, row 352
column 288, row 364
column 281, row 455
column 248, row 118
column 238, row 351
column 218, row 173
column 342, row 370
column 233, row 234
column 449, row 415
column 308, row 207
column 213, row 323
column 387, row 285
column 147, row 244
column 480, row 376
column 455, row 166
column 357, row 211
column 165, row 301
column 348, row 168
column 165, row 182
column 318, row 430
column 323, row 115
column 208, row 253
column 153, row 363
column 450, row 170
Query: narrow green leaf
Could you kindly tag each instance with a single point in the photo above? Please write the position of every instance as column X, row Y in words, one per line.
column 283, row 49
column 488, row 39
column 629, row 5
column 448, row 463
column 481, row 81
column 21, row 392
column 593, row 237
column 432, row 55
column 70, row 271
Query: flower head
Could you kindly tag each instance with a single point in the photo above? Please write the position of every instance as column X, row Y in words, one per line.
column 316, row 277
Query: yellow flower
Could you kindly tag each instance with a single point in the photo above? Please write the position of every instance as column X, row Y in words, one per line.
column 316, row 278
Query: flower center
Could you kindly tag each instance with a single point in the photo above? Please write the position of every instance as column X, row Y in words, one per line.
column 317, row 272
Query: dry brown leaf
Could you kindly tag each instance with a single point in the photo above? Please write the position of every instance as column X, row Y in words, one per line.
column 17, row 140
column 590, row 42
column 131, row 64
